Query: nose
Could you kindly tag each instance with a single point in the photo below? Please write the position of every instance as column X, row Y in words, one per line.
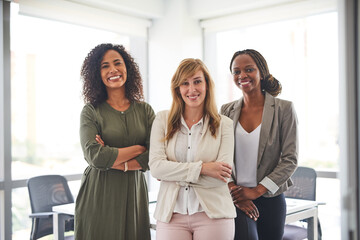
column 191, row 87
column 242, row 75
column 112, row 69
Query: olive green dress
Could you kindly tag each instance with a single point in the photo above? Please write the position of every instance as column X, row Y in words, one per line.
column 113, row 204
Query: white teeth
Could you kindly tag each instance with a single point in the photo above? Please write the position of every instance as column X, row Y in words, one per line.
column 243, row 83
column 115, row 77
column 192, row 97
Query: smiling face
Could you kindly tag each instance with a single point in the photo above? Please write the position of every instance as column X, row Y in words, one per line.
column 113, row 70
column 246, row 74
column 193, row 90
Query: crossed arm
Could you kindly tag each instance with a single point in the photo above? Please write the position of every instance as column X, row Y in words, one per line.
column 125, row 155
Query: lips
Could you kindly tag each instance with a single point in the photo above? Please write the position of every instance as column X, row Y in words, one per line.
column 244, row 83
column 193, row 97
column 114, row 78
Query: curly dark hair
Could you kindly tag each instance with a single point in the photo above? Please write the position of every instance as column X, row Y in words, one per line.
column 268, row 82
column 94, row 90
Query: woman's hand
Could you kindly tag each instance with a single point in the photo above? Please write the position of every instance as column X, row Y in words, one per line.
column 120, row 166
column 244, row 193
column 99, row 140
column 219, row 170
column 249, row 208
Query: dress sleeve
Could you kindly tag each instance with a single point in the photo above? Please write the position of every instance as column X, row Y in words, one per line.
column 143, row 159
column 97, row 156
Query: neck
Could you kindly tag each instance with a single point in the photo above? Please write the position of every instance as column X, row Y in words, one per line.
column 255, row 99
column 193, row 114
column 116, row 97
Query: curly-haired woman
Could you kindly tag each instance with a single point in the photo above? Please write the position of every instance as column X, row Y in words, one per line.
column 115, row 129
column 266, row 148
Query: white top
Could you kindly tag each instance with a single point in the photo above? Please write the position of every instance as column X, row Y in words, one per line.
column 246, row 151
column 187, row 142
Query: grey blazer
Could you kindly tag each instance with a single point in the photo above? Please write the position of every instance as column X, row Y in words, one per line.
column 278, row 146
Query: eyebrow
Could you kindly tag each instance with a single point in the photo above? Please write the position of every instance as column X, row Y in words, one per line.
column 116, row 60
column 249, row 65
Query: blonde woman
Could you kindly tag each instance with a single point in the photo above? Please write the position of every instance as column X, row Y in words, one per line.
column 192, row 153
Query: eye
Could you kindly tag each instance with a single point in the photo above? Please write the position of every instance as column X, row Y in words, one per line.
column 104, row 66
column 118, row 63
column 185, row 83
column 235, row 72
column 197, row 81
column 249, row 70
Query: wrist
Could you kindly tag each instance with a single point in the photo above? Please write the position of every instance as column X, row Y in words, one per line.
column 260, row 190
column 203, row 169
column 126, row 167
column 231, row 185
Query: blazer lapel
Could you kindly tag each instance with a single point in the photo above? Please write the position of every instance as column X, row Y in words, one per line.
column 234, row 115
column 235, row 112
column 267, row 119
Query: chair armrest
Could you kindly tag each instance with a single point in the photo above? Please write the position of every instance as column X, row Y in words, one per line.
column 41, row 215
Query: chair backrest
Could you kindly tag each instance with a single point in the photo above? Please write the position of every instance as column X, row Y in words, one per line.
column 304, row 187
column 45, row 192
column 48, row 191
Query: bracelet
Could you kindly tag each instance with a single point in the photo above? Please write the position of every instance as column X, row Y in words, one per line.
column 126, row 167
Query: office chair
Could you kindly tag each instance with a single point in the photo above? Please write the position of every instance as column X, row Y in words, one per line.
column 304, row 187
column 45, row 192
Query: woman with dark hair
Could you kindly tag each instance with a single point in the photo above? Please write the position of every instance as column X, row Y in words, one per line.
column 266, row 149
column 192, row 153
column 115, row 129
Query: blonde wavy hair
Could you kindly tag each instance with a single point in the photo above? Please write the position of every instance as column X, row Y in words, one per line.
column 187, row 68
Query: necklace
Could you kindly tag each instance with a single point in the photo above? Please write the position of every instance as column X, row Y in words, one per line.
column 192, row 120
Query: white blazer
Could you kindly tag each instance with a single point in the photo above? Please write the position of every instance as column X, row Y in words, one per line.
column 213, row 194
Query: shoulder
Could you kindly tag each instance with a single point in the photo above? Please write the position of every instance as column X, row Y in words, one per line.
column 284, row 106
column 278, row 102
column 88, row 109
column 282, row 102
column 146, row 106
column 226, row 108
column 225, row 120
column 226, row 124
column 162, row 114
column 142, row 105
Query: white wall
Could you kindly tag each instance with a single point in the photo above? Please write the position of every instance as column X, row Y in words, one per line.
column 172, row 38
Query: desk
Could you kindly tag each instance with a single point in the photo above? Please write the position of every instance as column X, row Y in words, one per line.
column 296, row 210
column 61, row 213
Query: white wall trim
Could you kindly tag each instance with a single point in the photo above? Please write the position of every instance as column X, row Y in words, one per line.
column 79, row 14
column 269, row 14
